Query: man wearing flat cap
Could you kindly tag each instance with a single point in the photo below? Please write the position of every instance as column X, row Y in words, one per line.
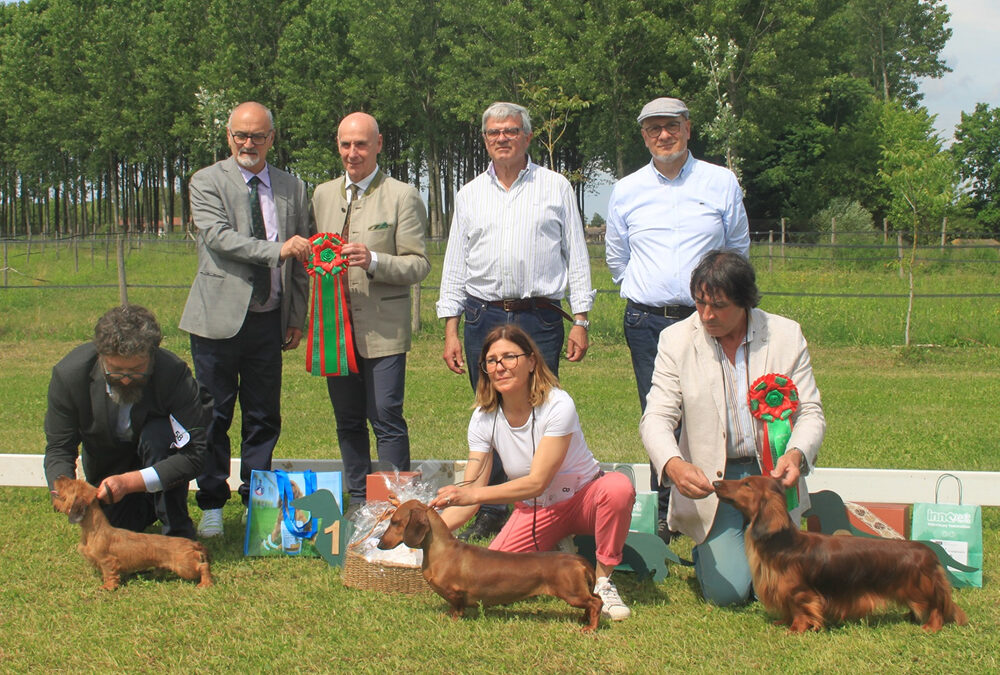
column 661, row 220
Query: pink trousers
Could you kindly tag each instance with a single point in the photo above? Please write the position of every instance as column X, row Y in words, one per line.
column 602, row 508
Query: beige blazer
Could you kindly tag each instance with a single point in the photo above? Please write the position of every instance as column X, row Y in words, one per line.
column 687, row 389
column 227, row 250
column 390, row 219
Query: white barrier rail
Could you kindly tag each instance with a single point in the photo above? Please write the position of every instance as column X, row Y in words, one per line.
column 900, row 486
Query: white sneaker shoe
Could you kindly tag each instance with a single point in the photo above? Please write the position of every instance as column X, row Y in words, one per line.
column 613, row 607
column 211, row 523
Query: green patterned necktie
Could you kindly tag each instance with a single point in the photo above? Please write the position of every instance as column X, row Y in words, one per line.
column 261, row 273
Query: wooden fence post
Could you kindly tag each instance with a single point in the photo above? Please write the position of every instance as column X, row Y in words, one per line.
column 944, row 230
column 782, row 240
column 770, row 250
column 122, row 287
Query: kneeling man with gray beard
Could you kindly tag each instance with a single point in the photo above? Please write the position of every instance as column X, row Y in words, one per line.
column 135, row 414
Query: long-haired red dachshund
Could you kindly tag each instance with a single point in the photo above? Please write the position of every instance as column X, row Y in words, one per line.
column 809, row 579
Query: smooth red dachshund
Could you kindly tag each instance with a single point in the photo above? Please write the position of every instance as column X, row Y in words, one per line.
column 465, row 575
column 809, row 579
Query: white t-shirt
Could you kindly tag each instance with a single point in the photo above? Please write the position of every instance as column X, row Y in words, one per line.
column 516, row 445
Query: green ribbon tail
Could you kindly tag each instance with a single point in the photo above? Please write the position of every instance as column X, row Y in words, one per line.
column 778, row 433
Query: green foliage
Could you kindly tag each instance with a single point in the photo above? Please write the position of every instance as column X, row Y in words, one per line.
column 977, row 149
column 919, row 175
column 115, row 103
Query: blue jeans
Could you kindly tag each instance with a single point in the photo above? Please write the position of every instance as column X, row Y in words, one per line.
column 642, row 334
column 720, row 561
column 545, row 326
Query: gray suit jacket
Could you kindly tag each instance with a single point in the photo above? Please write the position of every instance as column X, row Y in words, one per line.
column 390, row 219
column 80, row 414
column 688, row 389
column 227, row 250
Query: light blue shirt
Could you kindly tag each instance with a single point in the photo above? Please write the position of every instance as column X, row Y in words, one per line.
column 658, row 229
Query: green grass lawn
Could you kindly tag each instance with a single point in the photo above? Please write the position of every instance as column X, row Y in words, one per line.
column 922, row 408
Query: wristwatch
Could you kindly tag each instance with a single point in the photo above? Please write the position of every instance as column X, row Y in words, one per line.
column 582, row 322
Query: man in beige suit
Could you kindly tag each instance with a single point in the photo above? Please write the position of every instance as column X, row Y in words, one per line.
column 704, row 367
column 383, row 223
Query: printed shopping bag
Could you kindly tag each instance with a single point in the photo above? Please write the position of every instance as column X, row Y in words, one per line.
column 646, row 506
column 958, row 529
column 274, row 526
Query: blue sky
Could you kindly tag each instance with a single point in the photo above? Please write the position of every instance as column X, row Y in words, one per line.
column 971, row 53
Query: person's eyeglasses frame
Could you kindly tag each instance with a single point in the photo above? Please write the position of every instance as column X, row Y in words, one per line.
column 485, row 365
column 672, row 128
column 509, row 132
column 259, row 138
column 118, row 378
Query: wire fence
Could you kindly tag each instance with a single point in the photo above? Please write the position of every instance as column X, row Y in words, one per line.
column 113, row 249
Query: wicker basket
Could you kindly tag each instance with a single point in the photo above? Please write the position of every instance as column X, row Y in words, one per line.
column 386, row 577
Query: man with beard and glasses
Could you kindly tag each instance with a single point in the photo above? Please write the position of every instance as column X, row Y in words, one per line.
column 248, row 301
column 661, row 220
column 136, row 416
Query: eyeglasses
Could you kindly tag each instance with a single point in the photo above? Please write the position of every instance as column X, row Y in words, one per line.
column 257, row 138
column 509, row 132
column 116, row 378
column 509, row 361
column 655, row 130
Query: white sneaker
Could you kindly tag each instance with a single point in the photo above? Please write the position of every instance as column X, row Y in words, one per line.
column 613, row 607
column 211, row 523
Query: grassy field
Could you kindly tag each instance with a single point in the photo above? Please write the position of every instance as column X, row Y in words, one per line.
column 886, row 407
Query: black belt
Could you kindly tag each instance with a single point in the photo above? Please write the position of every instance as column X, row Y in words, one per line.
column 667, row 311
column 526, row 305
column 741, row 460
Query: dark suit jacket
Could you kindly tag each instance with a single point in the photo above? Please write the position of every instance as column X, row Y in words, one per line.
column 228, row 251
column 80, row 412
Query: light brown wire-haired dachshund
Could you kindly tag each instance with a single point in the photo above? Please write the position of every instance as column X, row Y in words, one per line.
column 465, row 575
column 115, row 551
column 809, row 579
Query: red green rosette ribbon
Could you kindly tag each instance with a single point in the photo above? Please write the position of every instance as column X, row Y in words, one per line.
column 330, row 344
column 772, row 399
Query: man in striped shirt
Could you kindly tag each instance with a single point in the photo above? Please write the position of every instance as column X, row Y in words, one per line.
column 516, row 244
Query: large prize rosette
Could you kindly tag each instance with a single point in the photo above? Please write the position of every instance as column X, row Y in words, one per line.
column 772, row 399
column 330, row 344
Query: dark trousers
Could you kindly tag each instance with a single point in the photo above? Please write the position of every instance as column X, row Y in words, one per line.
column 642, row 334
column 545, row 326
column 373, row 395
column 246, row 366
column 139, row 510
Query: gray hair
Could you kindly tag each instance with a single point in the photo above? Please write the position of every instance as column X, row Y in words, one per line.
column 501, row 111
column 127, row 330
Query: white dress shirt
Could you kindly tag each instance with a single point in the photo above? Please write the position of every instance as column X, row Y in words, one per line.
column 658, row 229
column 525, row 242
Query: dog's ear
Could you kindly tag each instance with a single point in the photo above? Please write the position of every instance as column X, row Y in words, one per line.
column 771, row 515
column 416, row 528
column 77, row 509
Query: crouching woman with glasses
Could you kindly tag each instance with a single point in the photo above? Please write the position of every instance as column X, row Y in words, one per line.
column 555, row 483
